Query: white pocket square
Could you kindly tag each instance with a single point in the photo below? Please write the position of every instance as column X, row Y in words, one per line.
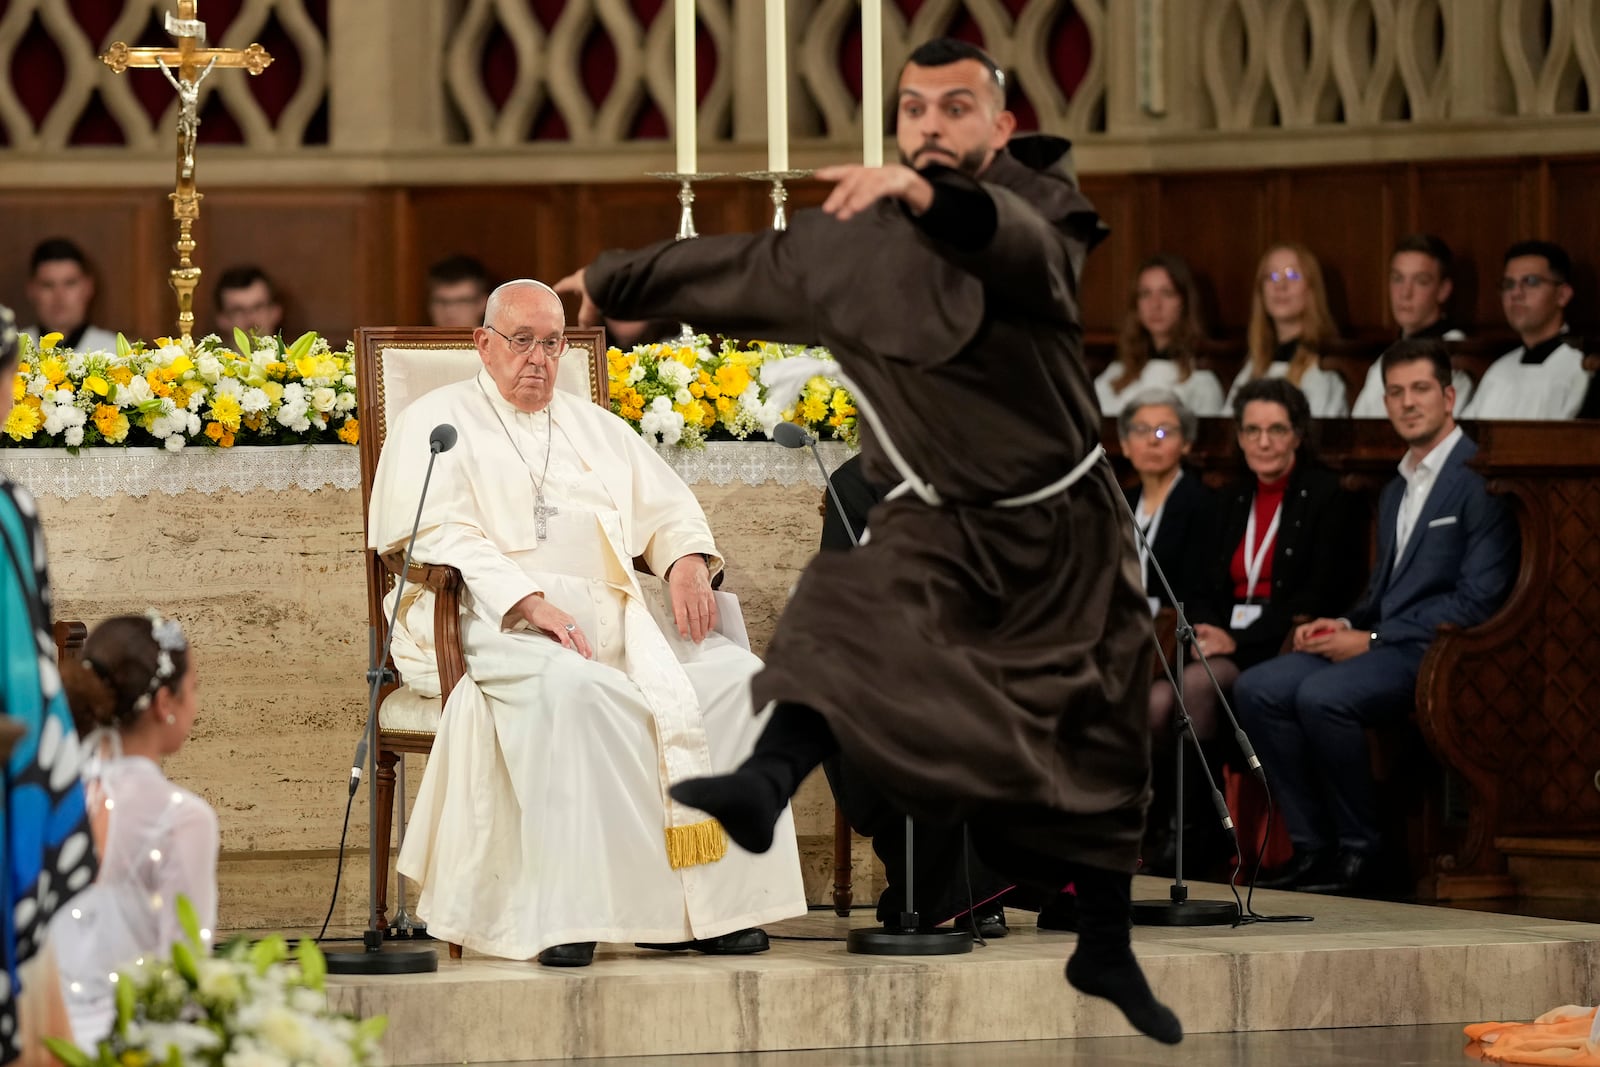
column 1448, row 520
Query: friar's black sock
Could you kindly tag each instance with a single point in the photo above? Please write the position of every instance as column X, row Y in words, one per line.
column 748, row 802
column 1104, row 964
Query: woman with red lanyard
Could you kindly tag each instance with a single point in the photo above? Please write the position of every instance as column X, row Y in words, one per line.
column 1289, row 537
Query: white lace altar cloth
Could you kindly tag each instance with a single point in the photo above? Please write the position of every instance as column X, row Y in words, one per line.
column 108, row 472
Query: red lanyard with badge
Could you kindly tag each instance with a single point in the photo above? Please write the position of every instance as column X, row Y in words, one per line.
column 1245, row 615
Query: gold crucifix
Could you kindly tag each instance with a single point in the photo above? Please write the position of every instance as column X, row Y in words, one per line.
column 192, row 63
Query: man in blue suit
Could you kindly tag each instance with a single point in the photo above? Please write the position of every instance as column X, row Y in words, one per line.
column 1447, row 553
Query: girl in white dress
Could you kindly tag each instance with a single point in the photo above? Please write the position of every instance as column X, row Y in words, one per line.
column 1161, row 336
column 133, row 695
column 1289, row 322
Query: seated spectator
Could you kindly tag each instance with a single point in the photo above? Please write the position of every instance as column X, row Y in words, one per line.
column 247, row 300
column 1161, row 334
column 1545, row 377
column 1285, row 545
column 1289, row 321
column 1178, row 516
column 1419, row 292
column 133, row 694
column 1447, row 553
column 1174, row 509
column 61, row 288
column 458, row 292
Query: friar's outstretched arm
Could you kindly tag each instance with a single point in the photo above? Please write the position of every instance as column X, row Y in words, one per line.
column 739, row 285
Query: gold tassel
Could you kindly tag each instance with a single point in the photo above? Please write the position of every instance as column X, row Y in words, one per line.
column 695, row 844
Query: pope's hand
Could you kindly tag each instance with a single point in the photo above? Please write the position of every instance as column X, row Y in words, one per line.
column 858, row 188
column 574, row 285
column 694, row 608
column 552, row 622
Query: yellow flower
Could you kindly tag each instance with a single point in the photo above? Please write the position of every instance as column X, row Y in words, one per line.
column 96, row 385
column 23, row 422
column 164, row 342
column 732, row 379
column 112, row 424
column 180, row 366
column 687, row 357
column 814, row 409
column 350, row 432
column 225, row 409
column 120, row 375
column 725, row 406
column 48, row 342
column 696, row 390
column 253, row 422
column 274, row 390
column 53, row 370
column 158, row 383
column 19, row 387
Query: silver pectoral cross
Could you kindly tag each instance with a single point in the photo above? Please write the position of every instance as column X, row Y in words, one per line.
column 541, row 513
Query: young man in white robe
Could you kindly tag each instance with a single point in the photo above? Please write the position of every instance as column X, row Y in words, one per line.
column 1420, row 285
column 543, row 823
column 1544, row 378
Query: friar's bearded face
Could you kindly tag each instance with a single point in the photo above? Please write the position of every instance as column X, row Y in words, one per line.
column 953, row 115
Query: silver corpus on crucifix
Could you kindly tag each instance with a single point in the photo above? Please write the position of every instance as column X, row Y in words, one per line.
column 541, row 510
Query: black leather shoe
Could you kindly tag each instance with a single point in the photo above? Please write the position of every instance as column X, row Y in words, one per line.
column 990, row 919
column 739, row 943
column 576, row 954
column 1351, row 874
column 1317, row 865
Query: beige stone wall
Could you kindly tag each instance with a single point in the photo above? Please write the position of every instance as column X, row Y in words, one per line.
column 270, row 589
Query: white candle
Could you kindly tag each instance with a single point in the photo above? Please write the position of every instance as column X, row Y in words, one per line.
column 872, row 82
column 683, row 77
column 777, row 88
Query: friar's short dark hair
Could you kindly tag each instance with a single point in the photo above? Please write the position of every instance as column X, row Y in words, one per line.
column 942, row 51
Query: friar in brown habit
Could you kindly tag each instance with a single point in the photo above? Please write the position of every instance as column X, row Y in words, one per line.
column 986, row 655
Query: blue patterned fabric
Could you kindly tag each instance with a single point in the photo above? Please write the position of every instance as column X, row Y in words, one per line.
column 43, row 819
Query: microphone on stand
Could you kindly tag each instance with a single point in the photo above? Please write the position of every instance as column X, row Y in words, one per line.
column 442, row 439
column 370, row 958
column 790, row 435
column 908, row 938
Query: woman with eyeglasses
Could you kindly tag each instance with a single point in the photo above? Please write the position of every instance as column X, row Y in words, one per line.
column 1161, row 336
column 1177, row 513
column 1288, row 544
column 1289, row 322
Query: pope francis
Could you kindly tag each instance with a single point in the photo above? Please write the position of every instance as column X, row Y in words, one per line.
column 543, row 823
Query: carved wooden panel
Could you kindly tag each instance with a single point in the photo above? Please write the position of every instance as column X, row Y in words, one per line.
column 1501, row 201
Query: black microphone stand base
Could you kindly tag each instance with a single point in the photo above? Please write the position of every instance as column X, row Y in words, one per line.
column 1185, row 912
column 384, row 957
column 893, row 941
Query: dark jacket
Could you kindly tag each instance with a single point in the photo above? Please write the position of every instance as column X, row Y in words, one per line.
column 1458, row 563
column 1317, row 563
column 1185, row 543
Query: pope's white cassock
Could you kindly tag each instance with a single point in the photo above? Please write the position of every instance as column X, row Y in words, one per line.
column 543, row 816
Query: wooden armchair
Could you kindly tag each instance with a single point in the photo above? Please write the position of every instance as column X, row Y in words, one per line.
column 394, row 366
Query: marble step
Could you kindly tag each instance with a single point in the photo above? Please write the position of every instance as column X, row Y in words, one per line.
column 1358, row 964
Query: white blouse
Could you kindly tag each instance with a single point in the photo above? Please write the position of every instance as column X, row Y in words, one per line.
column 160, row 840
column 1201, row 392
column 1325, row 390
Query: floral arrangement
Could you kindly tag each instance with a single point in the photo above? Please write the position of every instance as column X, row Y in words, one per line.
column 263, row 391
column 248, row 1006
column 681, row 393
